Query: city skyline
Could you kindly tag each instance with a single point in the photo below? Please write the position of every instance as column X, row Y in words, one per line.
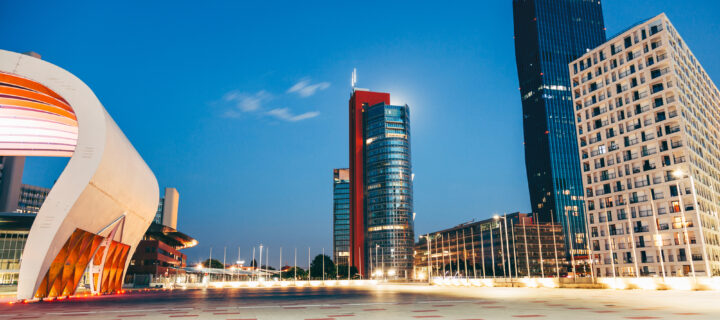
column 315, row 97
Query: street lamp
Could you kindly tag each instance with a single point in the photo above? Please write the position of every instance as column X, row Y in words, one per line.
column 502, row 246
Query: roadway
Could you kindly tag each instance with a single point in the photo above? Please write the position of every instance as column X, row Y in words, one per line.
column 379, row 302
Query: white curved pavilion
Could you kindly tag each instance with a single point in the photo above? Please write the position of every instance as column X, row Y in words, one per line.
column 104, row 200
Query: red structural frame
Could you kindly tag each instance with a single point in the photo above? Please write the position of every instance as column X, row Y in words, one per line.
column 358, row 101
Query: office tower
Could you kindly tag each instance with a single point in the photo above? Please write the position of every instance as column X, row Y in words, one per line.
column 388, row 189
column 11, row 171
column 648, row 122
column 341, row 216
column 548, row 35
column 31, row 198
column 360, row 99
column 480, row 249
column 168, row 208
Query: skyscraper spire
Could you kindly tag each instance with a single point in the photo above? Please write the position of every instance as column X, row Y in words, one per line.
column 353, row 78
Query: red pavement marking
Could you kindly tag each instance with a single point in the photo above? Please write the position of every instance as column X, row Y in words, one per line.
column 243, row 319
column 341, row 315
column 443, row 305
column 528, row 316
column 577, row 308
column 556, row 304
column 688, row 314
column 226, row 312
column 131, row 315
column 424, row 310
column 374, row 309
column 427, row 316
column 320, row 319
column 182, row 315
column 642, row 317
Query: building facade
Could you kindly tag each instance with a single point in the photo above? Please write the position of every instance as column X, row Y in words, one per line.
column 31, row 198
column 514, row 245
column 341, row 216
column 11, row 171
column 548, row 35
column 360, row 99
column 648, row 126
column 388, row 189
column 167, row 211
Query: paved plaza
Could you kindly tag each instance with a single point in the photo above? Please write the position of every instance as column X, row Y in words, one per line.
column 379, row 302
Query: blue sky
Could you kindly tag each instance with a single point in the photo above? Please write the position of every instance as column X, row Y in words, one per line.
column 243, row 107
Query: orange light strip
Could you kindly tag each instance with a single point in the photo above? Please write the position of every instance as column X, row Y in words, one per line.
column 35, row 120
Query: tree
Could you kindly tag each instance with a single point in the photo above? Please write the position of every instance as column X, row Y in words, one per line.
column 316, row 267
column 214, row 264
column 290, row 273
column 253, row 263
column 343, row 272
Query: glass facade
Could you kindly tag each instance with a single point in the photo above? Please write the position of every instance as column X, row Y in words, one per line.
column 548, row 35
column 388, row 190
column 31, row 198
column 341, row 216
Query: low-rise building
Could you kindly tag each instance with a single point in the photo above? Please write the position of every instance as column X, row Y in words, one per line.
column 512, row 245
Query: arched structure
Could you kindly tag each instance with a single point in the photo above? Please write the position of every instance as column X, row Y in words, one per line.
column 104, row 200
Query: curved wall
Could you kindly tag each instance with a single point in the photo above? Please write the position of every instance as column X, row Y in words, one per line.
column 106, row 189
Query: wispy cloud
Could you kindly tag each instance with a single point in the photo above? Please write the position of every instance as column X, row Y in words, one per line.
column 305, row 88
column 240, row 104
column 285, row 114
column 247, row 102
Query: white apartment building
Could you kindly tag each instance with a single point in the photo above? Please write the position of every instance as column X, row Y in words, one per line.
column 648, row 123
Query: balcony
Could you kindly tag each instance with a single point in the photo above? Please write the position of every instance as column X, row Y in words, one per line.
column 676, row 144
column 631, row 142
column 641, row 229
column 648, row 152
column 640, row 198
column 671, row 130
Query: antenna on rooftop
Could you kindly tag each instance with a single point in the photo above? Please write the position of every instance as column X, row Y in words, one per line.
column 353, row 79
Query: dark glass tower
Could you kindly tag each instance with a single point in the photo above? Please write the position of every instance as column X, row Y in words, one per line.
column 549, row 34
column 388, row 190
column 341, row 216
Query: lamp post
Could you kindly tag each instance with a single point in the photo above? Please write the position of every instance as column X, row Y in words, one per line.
column 377, row 246
column 502, row 245
column 492, row 250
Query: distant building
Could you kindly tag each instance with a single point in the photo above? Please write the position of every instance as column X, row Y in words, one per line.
column 14, row 230
column 341, row 216
column 168, row 208
column 31, row 198
column 11, row 171
column 548, row 35
column 493, row 247
column 647, row 117
column 158, row 253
